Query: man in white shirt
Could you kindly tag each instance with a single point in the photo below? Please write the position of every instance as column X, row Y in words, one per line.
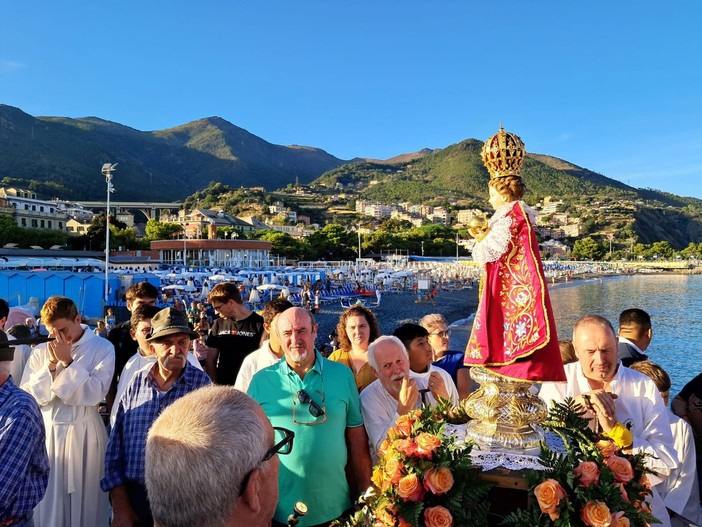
column 270, row 351
column 624, row 404
column 396, row 392
column 140, row 330
column 421, row 356
column 679, row 491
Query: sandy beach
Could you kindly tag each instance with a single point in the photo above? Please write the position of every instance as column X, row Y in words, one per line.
column 397, row 308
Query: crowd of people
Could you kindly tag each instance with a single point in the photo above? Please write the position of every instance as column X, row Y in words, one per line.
column 220, row 416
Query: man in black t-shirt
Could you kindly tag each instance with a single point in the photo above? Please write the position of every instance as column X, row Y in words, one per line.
column 236, row 333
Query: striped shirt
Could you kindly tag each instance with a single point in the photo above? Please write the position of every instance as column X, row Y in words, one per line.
column 24, row 465
column 139, row 407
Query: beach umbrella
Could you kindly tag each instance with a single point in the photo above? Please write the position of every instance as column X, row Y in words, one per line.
column 268, row 287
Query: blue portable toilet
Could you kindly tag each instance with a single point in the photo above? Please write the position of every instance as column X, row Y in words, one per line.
column 16, row 289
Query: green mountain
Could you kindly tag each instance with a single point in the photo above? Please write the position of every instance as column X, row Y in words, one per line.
column 62, row 157
column 457, row 174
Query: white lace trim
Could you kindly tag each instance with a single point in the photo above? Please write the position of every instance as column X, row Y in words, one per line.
column 496, row 243
column 488, row 460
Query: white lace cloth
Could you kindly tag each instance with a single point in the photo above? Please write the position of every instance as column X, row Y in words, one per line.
column 489, row 460
column 496, row 243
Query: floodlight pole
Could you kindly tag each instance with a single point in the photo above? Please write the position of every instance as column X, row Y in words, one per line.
column 107, row 170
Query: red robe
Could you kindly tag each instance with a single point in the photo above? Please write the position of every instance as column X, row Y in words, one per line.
column 514, row 334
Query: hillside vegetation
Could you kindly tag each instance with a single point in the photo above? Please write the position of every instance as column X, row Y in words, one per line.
column 62, row 157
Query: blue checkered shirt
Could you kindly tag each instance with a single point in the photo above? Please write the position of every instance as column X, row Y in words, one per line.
column 139, row 407
column 24, row 465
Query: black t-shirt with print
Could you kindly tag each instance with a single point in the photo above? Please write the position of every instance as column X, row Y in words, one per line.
column 234, row 340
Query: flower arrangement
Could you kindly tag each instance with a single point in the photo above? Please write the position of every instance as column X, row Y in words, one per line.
column 595, row 484
column 424, row 477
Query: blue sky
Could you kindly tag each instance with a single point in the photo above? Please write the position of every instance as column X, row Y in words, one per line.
column 615, row 87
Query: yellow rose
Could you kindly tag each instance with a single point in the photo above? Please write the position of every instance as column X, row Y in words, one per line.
column 596, row 514
column 588, row 473
column 393, row 469
column 378, row 476
column 437, row 517
column 619, row 520
column 549, row 494
column 621, row 468
column 410, row 488
column 438, row 481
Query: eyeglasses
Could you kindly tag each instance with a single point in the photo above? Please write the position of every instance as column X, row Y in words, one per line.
column 284, row 443
column 441, row 334
column 315, row 410
column 217, row 307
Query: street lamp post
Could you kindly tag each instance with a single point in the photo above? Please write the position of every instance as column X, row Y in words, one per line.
column 107, row 170
column 358, row 260
column 422, row 247
column 456, row 246
column 359, row 241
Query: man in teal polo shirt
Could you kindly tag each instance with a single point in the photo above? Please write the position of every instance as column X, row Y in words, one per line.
column 318, row 400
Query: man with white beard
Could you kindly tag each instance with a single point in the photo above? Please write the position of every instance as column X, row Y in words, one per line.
column 317, row 399
column 396, row 392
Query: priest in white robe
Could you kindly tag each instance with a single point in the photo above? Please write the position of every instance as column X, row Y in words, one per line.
column 69, row 377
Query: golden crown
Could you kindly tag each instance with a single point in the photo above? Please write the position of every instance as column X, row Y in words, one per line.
column 503, row 154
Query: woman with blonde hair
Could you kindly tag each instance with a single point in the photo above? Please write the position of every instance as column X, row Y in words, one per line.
column 356, row 329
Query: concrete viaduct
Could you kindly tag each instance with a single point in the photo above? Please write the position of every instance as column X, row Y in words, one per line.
column 151, row 210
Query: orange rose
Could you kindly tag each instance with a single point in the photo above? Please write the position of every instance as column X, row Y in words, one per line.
column 427, row 444
column 621, row 468
column 588, row 472
column 619, row 520
column 596, row 514
column 607, row 447
column 410, row 488
column 438, row 481
column 549, row 494
column 437, row 517
column 404, row 424
column 408, row 447
column 625, row 496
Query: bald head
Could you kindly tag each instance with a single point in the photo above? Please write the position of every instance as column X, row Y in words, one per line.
column 595, row 344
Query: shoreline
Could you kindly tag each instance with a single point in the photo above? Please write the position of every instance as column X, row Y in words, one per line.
column 398, row 308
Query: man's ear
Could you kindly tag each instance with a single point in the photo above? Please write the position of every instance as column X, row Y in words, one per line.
column 132, row 333
column 251, row 496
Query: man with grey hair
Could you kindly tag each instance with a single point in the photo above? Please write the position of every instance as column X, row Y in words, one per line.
column 396, row 392
column 24, row 464
column 623, row 404
column 211, row 461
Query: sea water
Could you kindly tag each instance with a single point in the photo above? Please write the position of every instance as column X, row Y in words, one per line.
column 674, row 303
